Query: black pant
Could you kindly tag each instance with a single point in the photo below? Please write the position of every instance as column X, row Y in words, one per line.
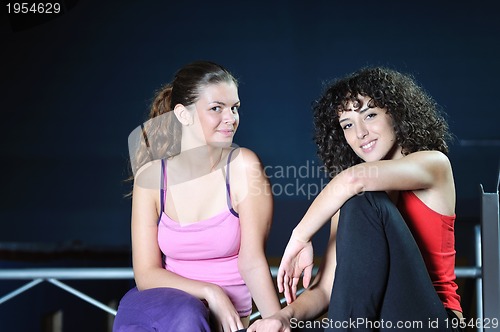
column 381, row 281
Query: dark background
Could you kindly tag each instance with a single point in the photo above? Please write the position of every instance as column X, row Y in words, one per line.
column 73, row 86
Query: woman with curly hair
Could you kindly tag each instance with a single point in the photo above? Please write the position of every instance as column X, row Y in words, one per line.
column 390, row 260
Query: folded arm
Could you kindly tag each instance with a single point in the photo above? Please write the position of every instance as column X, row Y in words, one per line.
column 428, row 171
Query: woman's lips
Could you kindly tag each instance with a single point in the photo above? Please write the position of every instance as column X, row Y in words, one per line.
column 368, row 146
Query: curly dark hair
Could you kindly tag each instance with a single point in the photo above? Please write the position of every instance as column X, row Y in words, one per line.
column 418, row 123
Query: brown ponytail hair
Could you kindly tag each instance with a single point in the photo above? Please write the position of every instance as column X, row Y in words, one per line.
column 160, row 136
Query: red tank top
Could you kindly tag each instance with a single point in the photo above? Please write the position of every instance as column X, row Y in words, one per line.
column 434, row 234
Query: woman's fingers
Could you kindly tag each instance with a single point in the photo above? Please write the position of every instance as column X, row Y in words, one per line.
column 280, row 278
column 306, row 279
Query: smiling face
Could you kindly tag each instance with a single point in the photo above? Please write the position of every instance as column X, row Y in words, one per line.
column 217, row 113
column 369, row 130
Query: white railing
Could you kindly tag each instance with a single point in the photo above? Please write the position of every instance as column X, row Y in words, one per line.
column 486, row 271
column 54, row 275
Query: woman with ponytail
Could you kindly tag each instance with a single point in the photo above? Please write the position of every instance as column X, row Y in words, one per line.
column 201, row 212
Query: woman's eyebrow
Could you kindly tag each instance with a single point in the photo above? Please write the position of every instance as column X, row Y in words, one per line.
column 218, row 102
column 223, row 103
column 361, row 111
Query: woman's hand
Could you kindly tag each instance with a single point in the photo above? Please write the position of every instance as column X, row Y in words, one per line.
column 275, row 323
column 223, row 311
column 298, row 257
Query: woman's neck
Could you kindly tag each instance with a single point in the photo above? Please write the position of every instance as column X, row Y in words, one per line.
column 203, row 158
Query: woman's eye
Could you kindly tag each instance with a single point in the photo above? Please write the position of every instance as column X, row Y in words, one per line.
column 216, row 109
column 347, row 126
column 235, row 109
column 371, row 115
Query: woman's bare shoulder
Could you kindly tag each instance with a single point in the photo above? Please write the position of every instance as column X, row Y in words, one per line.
column 149, row 175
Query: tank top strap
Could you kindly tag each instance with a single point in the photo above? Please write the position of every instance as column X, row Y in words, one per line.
column 228, row 186
column 163, row 185
column 163, row 198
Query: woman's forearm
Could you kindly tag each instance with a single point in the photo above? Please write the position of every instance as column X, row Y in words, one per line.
column 311, row 304
column 258, row 278
column 325, row 205
column 159, row 277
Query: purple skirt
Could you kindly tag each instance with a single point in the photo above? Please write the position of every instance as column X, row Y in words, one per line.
column 161, row 310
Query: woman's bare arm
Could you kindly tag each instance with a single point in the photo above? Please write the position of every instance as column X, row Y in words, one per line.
column 255, row 207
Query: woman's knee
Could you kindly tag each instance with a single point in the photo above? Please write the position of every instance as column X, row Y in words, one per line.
column 366, row 200
column 161, row 309
column 187, row 313
column 371, row 205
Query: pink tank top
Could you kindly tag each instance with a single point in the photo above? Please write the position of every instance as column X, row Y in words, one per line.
column 206, row 250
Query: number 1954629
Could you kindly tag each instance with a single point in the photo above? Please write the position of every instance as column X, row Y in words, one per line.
column 33, row 8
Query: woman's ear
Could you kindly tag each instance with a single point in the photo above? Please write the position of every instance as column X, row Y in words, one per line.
column 184, row 115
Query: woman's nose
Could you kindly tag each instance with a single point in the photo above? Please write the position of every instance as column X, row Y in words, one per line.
column 361, row 131
column 228, row 116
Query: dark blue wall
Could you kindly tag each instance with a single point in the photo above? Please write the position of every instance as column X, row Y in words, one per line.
column 74, row 87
